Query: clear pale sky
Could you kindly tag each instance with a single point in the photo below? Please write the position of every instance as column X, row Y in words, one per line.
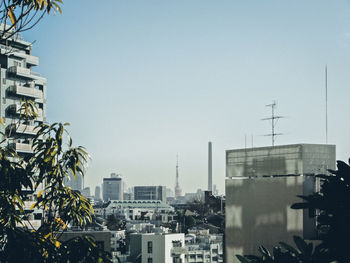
column 141, row 81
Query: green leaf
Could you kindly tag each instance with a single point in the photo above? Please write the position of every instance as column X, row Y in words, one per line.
column 289, row 248
column 242, row 259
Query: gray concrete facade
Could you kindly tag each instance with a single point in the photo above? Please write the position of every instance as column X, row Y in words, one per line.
column 150, row 193
column 112, row 189
column 261, row 185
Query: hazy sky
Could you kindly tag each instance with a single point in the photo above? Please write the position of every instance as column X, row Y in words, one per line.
column 141, row 81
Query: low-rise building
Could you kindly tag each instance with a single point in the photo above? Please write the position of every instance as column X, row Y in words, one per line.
column 153, row 210
column 157, row 248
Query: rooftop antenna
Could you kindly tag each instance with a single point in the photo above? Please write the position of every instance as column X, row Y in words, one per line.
column 273, row 120
column 326, row 86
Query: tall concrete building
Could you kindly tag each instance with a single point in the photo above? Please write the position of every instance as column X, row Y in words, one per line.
column 75, row 183
column 19, row 82
column 261, row 185
column 150, row 193
column 210, row 168
column 97, row 193
column 112, row 188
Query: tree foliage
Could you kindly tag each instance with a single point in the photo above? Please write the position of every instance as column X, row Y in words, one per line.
column 21, row 15
column 42, row 173
column 115, row 224
column 283, row 253
column 332, row 207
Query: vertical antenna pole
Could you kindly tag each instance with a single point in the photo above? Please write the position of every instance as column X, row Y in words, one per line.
column 273, row 122
column 326, row 86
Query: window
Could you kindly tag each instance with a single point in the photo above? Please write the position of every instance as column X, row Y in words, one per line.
column 149, row 247
column 4, row 81
column 37, row 216
column 149, row 260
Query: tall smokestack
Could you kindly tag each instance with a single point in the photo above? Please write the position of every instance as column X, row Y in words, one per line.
column 210, row 169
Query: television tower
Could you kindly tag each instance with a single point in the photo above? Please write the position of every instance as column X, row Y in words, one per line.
column 177, row 186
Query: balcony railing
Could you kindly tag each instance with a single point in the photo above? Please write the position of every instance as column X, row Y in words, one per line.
column 22, row 147
column 24, row 128
column 32, row 60
column 24, row 72
column 178, row 250
column 27, row 91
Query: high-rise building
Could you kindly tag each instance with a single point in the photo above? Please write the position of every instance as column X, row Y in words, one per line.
column 86, row 192
column 75, row 182
column 261, row 185
column 97, row 193
column 150, row 193
column 17, row 83
column 112, row 188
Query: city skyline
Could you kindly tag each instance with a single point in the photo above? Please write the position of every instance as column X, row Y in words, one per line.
column 142, row 82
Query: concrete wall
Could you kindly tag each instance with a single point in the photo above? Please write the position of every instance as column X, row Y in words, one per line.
column 261, row 185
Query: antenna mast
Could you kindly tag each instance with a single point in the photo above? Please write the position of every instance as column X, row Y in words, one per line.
column 326, row 86
column 273, row 120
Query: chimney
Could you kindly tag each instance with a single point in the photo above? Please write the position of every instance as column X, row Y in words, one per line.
column 210, row 169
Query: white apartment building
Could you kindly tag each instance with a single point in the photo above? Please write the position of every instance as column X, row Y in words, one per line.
column 165, row 248
column 18, row 82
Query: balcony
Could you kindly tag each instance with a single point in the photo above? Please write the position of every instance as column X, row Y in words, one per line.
column 24, row 73
column 22, row 147
column 20, row 71
column 32, row 60
column 178, row 250
column 24, row 129
column 16, row 108
column 27, row 91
